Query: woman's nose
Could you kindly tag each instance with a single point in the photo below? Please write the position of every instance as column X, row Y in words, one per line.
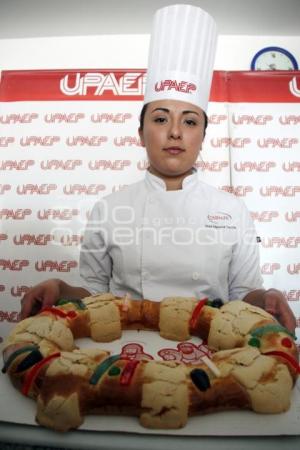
column 175, row 130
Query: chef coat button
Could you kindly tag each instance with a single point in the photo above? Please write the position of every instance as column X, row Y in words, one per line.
column 145, row 275
column 196, row 276
column 151, row 199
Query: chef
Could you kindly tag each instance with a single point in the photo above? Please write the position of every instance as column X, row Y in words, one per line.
column 171, row 234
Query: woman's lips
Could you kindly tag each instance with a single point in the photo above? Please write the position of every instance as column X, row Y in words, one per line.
column 174, row 150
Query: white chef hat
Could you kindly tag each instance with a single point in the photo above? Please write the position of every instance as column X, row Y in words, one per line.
column 181, row 55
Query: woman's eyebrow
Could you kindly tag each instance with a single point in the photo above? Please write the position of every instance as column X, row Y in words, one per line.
column 161, row 109
column 189, row 112
column 167, row 111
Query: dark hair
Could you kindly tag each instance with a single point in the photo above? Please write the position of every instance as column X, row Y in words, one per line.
column 144, row 109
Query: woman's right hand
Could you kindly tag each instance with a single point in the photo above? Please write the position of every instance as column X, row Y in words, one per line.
column 40, row 296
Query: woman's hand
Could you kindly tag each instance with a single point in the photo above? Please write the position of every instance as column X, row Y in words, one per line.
column 40, row 296
column 48, row 293
column 276, row 304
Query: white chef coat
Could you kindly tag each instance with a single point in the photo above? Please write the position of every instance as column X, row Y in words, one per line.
column 152, row 243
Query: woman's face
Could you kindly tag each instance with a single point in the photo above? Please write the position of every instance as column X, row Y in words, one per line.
column 172, row 134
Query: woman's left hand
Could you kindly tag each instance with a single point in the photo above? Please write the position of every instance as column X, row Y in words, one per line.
column 276, row 304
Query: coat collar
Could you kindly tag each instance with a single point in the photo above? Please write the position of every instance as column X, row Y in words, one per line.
column 156, row 183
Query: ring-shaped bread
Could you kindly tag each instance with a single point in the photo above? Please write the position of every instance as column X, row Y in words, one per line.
column 255, row 363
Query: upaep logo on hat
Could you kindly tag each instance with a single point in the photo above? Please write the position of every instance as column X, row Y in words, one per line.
column 179, row 86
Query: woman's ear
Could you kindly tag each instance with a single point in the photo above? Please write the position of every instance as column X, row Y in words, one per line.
column 141, row 134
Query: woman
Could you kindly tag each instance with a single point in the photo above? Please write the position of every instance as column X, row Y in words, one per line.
column 169, row 234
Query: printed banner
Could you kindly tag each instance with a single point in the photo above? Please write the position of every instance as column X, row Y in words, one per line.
column 69, row 137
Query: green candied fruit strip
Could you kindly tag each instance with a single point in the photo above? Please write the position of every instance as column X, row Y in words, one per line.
column 102, row 368
column 271, row 328
column 30, row 360
column 77, row 302
column 114, row 371
column 254, row 342
column 26, row 348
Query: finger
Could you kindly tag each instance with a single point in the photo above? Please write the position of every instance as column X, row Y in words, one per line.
column 271, row 305
column 280, row 309
column 288, row 322
column 49, row 300
column 287, row 317
column 36, row 308
column 27, row 303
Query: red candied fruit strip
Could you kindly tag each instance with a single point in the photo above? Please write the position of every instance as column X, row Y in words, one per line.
column 284, row 355
column 60, row 313
column 196, row 312
column 286, row 342
column 32, row 374
column 128, row 372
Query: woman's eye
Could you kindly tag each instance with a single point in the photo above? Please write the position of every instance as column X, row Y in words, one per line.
column 160, row 119
column 191, row 122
